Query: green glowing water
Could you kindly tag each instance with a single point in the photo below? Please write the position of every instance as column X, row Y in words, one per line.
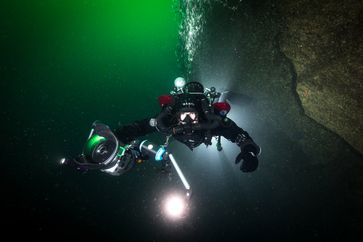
column 63, row 65
column 97, row 57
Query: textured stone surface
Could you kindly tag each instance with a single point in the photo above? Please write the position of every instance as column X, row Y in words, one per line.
column 324, row 40
column 300, row 158
column 251, row 61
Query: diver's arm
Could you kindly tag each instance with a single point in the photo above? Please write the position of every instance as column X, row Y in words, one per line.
column 130, row 132
column 249, row 149
column 229, row 130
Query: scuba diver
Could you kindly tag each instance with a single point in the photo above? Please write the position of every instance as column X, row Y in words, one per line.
column 191, row 114
column 194, row 115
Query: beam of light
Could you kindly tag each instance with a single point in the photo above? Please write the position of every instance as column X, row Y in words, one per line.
column 180, row 173
column 175, row 206
column 62, row 161
column 218, row 165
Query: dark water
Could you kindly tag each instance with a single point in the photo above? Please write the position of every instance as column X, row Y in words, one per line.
column 65, row 64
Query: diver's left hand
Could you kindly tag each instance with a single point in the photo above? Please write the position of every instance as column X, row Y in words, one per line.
column 249, row 163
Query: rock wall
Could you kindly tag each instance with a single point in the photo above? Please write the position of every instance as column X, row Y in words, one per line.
column 324, row 40
column 253, row 50
column 246, row 50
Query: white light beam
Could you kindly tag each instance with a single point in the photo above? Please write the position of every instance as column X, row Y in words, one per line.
column 180, row 173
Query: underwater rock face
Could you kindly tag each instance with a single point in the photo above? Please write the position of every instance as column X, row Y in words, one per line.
column 324, row 40
column 250, row 61
column 242, row 52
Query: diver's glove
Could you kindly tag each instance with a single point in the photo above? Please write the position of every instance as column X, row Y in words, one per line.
column 249, row 152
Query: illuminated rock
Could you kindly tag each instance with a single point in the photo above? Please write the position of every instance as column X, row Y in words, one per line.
column 324, row 40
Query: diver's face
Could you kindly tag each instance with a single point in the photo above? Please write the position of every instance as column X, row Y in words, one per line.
column 188, row 117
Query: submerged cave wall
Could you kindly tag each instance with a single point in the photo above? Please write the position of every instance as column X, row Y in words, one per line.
column 250, row 48
column 324, row 41
column 242, row 50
